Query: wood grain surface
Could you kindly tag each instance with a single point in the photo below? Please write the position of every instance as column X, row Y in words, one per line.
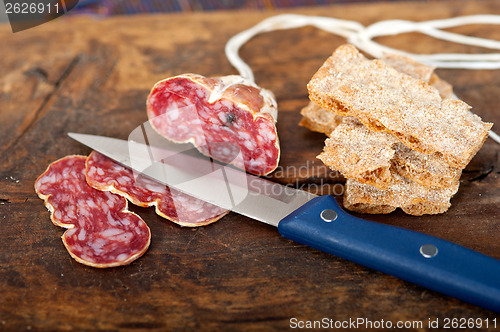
column 92, row 75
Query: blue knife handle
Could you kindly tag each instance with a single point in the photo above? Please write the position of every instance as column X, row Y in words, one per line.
column 422, row 259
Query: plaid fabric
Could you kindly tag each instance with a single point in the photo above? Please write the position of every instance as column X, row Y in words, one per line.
column 123, row 7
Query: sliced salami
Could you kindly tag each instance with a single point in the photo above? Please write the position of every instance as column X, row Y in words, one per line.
column 101, row 231
column 227, row 118
column 104, row 174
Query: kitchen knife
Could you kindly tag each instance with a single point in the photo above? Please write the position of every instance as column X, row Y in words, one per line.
column 316, row 221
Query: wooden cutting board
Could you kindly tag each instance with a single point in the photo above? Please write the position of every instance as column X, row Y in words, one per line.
column 92, row 75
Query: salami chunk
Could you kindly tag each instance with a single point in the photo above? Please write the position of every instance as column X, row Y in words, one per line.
column 101, row 231
column 227, row 118
column 104, row 174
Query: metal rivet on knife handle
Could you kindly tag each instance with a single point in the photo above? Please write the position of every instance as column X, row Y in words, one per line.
column 328, row 215
column 428, row 250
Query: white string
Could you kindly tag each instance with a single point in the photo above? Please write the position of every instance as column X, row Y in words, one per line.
column 343, row 28
column 362, row 37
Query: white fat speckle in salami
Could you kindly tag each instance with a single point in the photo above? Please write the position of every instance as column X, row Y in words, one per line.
column 246, row 136
column 173, row 114
column 110, row 232
column 81, row 235
column 249, row 145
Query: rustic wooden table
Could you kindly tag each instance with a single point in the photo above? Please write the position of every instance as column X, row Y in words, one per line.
column 92, row 75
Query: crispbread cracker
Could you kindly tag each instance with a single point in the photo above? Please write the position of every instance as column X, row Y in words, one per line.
column 359, row 153
column 372, row 157
column 415, row 209
column 444, row 88
column 419, row 71
column 318, row 119
column 369, row 156
column 368, row 208
column 410, row 196
column 409, row 66
column 428, row 170
column 386, row 100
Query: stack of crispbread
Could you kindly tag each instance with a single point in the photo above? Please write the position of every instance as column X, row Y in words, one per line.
column 395, row 132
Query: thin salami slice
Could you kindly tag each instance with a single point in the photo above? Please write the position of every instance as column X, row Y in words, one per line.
column 101, row 231
column 104, row 174
column 227, row 118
